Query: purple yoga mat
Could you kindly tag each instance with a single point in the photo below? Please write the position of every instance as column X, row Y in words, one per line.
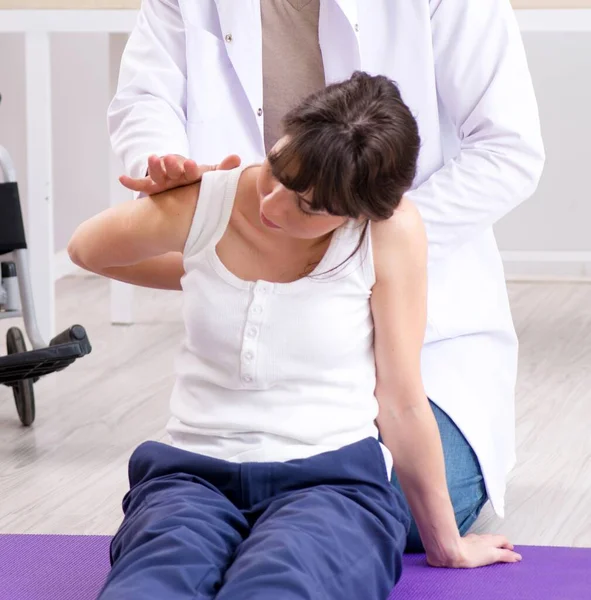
column 73, row 568
column 544, row 574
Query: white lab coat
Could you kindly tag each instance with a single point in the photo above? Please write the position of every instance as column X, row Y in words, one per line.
column 191, row 84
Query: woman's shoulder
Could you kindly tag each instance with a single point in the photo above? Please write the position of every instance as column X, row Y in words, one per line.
column 228, row 186
column 400, row 239
column 215, row 189
column 246, row 179
column 218, row 194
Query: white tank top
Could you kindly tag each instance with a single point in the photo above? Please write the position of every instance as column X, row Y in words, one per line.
column 272, row 371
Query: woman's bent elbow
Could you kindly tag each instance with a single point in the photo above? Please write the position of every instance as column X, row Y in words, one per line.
column 77, row 254
column 74, row 253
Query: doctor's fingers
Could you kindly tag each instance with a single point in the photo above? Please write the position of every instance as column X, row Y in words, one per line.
column 175, row 167
column 157, row 170
column 193, row 172
column 230, row 162
column 144, row 185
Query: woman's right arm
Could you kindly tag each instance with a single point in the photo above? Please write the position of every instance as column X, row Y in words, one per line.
column 406, row 421
column 140, row 241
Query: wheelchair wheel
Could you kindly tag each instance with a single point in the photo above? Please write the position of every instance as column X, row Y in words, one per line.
column 23, row 391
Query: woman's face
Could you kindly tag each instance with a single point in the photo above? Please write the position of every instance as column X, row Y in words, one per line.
column 286, row 211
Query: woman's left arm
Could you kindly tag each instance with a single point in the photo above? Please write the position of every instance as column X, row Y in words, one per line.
column 140, row 241
column 406, row 421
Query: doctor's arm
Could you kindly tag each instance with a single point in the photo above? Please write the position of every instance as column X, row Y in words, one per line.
column 147, row 116
column 485, row 88
column 406, row 420
column 140, row 241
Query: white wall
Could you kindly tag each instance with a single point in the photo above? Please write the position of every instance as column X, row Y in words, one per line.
column 552, row 231
column 556, row 220
column 12, row 108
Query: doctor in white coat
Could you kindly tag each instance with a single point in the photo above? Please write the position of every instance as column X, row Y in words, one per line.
column 209, row 79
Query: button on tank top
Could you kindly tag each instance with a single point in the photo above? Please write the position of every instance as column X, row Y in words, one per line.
column 272, row 371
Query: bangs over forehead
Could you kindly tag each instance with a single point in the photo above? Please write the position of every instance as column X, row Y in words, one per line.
column 305, row 167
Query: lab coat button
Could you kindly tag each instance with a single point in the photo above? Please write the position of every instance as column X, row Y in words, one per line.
column 260, row 112
column 228, row 37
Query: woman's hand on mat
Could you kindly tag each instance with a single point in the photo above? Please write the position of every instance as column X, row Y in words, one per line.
column 173, row 171
column 479, row 551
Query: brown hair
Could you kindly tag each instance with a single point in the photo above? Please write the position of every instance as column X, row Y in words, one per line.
column 354, row 144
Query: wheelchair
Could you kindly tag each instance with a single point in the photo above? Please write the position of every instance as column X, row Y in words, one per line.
column 21, row 368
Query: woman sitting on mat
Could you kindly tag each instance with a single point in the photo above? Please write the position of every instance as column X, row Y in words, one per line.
column 304, row 285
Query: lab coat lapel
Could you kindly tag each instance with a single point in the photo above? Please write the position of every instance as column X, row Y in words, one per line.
column 349, row 9
column 240, row 22
column 339, row 38
column 338, row 33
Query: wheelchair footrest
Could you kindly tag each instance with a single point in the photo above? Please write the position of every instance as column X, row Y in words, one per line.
column 66, row 348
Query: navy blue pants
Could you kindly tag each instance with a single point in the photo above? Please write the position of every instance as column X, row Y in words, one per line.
column 197, row 528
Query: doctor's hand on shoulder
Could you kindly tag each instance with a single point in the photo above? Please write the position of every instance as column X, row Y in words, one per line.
column 173, row 171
